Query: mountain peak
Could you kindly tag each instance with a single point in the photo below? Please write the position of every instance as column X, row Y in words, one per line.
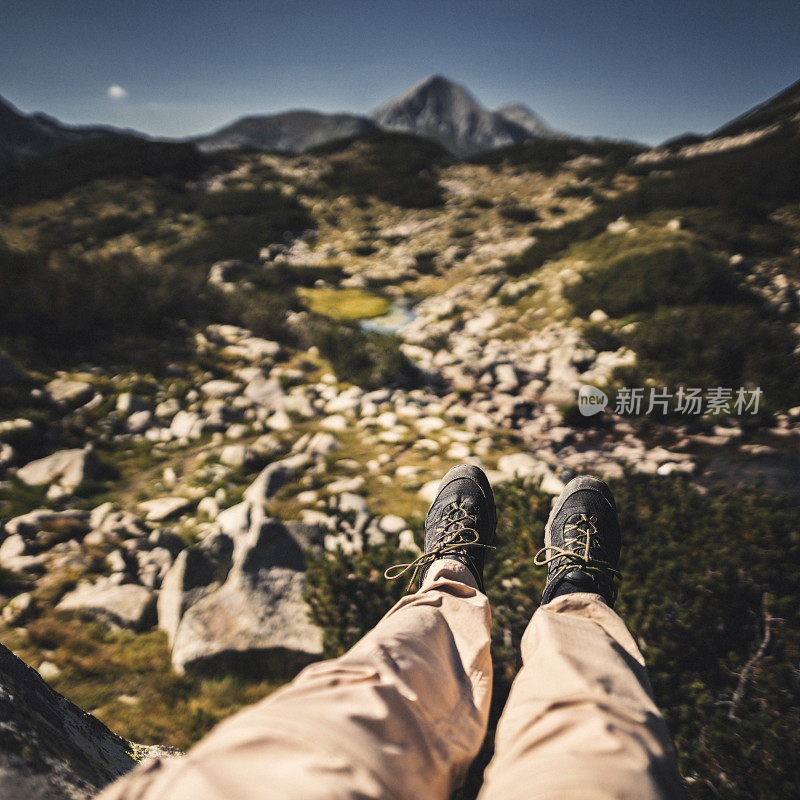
column 441, row 109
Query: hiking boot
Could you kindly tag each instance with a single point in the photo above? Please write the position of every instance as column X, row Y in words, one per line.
column 582, row 542
column 460, row 524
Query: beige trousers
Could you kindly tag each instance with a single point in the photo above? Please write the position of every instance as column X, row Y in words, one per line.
column 404, row 712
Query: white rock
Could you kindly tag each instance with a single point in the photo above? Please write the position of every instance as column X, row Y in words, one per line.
column 65, row 468
column 15, row 426
column 124, row 606
column 264, row 391
column 313, row 517
column 392, row 524
column 18, row 608
column 336, row 422
column 69, row 392
column 208, row 506
column 427, row 425
column 162, row 508
column 322, row 443
column 48, row 670
column 551, row 484
column 116, row 561
column 153, row 566
column 346, row 485
column 139, row 421
column 429, row 490
column 458, row 451
column 405, row 541
column 522, row 465
column 187, row 424
column 393, row 436
column 506, row 377
column 235, row 455
column 620, row 225
column 266, row 445
column 387, row 420
column 598, row 315
column 349, row 502
column 235, row 521
column 221, row 388
column 254, row 349
column 279, row 421
column 168, row 408
column 343, row 404
column 236, row 431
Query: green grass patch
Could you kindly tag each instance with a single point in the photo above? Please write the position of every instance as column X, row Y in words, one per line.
column 127, row 681
column 345, row 305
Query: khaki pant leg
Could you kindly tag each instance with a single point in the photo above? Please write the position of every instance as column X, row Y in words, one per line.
column 580, row 721
column 401, row 715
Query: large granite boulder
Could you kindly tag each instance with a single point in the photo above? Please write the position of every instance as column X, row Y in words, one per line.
column 256, row 621
column 196, row 572
column 49, row 748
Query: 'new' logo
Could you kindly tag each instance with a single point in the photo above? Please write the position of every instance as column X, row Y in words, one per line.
column 591, row 400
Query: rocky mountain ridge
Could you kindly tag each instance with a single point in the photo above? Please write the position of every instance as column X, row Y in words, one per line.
column 288, row 132
column 25, row 136
column 446, row 112
column 435, row 108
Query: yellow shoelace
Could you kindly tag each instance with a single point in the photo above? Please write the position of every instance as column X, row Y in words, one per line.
column 454, row 540
column 583, row 530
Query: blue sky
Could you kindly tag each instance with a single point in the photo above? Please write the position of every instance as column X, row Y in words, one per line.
column 641, row 70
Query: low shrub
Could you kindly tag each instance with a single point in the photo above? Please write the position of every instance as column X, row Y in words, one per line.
column 601, row 337
column 54, row 174
column 368, row 359
column 71, row 306
column 518, row 213
column 397, row 168
column 548, row 155
column 707, row 346
column 643, row 279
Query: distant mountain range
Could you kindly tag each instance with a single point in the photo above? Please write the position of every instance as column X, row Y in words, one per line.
column 436, row 108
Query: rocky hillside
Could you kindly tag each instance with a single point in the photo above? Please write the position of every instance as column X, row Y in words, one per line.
column 229, row 384
column 289, row 132
column 24, row 136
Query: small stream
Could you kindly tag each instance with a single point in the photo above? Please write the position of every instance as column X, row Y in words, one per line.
column 400, row 314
